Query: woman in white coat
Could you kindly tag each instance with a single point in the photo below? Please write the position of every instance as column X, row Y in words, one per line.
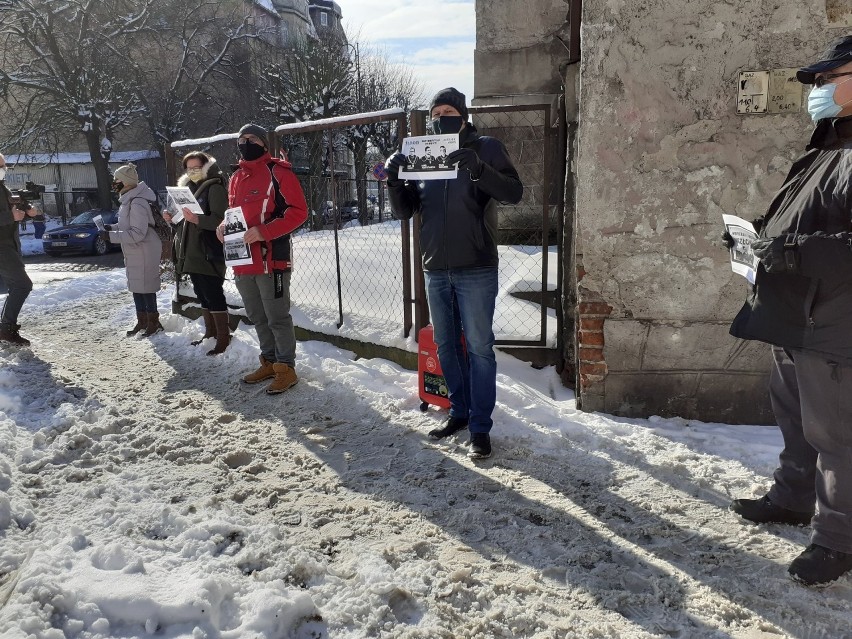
column 140, row 244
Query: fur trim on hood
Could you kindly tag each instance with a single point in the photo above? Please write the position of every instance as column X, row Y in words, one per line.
column 184, row 180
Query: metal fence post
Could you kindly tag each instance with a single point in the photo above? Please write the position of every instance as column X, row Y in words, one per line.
column 421, row 306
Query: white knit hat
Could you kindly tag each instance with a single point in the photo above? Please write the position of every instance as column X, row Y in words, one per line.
column 126, row 174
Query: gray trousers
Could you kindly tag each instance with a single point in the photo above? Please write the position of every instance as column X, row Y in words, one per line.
column 15, row 277
column 270, row 316
column 812, row 399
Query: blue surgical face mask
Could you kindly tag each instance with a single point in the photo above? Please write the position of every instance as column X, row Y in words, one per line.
column 821, row 102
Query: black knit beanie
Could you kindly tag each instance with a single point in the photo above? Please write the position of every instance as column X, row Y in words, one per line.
column 257, row 131
column 452, row 97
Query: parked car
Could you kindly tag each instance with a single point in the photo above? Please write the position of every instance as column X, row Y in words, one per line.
column 80, row 235
column 349, row 210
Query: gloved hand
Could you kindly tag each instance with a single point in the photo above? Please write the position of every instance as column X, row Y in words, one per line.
column 778, row 255
column 728, row 240
column 393, row 164
column 107, row 227
column 468, row 159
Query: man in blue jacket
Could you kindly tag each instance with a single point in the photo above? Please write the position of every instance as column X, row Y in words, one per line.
column 801, row 304
column 458, row 231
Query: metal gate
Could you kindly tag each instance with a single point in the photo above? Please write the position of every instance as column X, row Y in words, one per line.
column 530, row 233
column 357, row 271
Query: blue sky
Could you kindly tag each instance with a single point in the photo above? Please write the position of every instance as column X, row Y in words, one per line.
column 435, row 37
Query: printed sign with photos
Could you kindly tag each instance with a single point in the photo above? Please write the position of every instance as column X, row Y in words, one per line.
column 427, row 157
column 237, row 252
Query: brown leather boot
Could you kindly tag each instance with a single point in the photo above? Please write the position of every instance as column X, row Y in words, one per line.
column 285, row 377
column 223, row 332
column 141, row 322
column 209, row 327
column 9, row 333
column 264, row 372
column 154, row 325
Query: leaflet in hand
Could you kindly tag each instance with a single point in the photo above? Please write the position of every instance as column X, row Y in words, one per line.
column 180, row 197
column 427, row 157
column 743, row 260
column 99, row 222
column 236, row 250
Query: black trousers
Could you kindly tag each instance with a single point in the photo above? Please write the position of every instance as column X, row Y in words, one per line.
column 208, row 290
column 812, row 399
column 15, row 277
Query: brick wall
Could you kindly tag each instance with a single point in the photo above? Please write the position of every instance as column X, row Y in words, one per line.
column 592, row 312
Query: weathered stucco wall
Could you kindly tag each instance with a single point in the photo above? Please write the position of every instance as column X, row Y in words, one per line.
column 661, row 155
column 519, row 46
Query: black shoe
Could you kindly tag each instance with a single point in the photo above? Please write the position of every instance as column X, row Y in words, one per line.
column 763, row 511
column 9, row 333
column 480, row 446
column 450, row 427
column 819, row 565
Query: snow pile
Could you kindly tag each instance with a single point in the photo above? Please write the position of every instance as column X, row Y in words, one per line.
column 144, row 491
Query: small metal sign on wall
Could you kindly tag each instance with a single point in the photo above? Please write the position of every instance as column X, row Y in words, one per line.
column 785, row 91
column 753, row 92
column 775, row 91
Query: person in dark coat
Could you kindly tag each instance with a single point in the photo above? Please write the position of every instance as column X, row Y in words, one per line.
column 12, row 270
column 198, row 252
column 140, row 244
column 458, row 241
column 801, row 304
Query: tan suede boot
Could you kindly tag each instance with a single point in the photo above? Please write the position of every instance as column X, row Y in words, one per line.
column 141, row 322
column 154, row 325
column 264, row 372
column 209, row 327
column 223, row 332
column 285, row 377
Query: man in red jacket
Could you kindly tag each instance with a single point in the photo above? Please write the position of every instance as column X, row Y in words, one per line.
column 274, row 206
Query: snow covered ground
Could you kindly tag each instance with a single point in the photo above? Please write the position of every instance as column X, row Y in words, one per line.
column 145, row 492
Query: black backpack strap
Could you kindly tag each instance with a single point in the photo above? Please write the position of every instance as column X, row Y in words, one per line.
column 280, row 203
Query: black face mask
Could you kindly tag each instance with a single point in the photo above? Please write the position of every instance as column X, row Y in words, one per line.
column 447, row 124
column 117, row 186
column 250, row 150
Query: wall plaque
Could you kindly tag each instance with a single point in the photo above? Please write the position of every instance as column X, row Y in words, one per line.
column 785, row 91
column 753, row 92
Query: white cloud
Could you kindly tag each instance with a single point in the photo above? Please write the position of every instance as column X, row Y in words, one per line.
column 436, row 39
column 439, row 67
column 409, row 19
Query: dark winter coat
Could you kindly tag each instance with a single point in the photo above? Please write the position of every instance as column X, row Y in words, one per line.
column 9, row 239
column 140, row 243
column 458, row 222
column 251, row 187
column 197, row 249
column 810, row 309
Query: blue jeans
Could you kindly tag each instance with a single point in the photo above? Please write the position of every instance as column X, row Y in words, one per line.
column 463, row 300
column 145, row 302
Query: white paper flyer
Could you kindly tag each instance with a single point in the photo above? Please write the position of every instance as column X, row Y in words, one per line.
column 743, row 261
column 236, row 250
column 99, row 222
column 180, row 198
column 427, row 157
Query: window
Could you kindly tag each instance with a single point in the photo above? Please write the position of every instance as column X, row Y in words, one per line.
column 324, row 18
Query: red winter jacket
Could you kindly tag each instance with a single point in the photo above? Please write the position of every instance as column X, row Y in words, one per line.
column 251, row 188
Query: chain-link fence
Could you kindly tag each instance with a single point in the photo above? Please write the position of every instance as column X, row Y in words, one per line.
column 351, row 259
column 529, row 233
column 353, row 271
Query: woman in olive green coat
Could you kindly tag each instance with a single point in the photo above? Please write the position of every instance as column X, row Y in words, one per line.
column 198, row 252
